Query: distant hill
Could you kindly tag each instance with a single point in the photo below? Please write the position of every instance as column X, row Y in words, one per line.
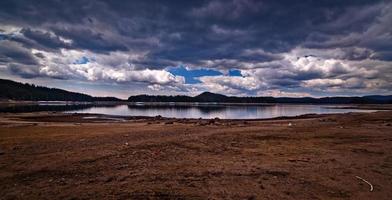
column 11, row 90
column 379, row 98
column 211, row 97
column 160, row 98
column 219, row 98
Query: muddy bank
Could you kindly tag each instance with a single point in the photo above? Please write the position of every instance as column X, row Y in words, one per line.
column 67, row 156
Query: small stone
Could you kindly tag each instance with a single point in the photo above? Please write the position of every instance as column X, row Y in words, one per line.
column 252, row 197
column 211, row 121
column 123, row 178
column 107, row 179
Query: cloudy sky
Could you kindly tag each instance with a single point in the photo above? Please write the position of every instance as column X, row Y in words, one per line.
column 234, row 47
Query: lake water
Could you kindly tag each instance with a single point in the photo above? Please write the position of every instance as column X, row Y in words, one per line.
column 190, row 111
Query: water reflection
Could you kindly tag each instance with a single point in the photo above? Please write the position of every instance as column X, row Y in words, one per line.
column 42, row 107
column 221, row 111
column 187, row 111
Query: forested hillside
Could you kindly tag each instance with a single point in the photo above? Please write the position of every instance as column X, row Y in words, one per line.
column 11, row 90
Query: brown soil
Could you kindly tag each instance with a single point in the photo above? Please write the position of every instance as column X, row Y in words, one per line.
column 64, row 156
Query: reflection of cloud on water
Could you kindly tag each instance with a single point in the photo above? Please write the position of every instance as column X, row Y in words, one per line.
column 182, row 111
column 216, row 109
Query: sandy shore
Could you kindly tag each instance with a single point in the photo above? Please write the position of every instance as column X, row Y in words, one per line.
column 65, row 156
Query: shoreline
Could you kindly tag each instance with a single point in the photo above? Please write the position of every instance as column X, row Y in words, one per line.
column 50, row 116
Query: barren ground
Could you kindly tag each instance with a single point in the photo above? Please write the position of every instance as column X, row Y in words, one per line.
column 65, row 156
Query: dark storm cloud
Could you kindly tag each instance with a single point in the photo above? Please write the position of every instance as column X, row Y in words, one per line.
column 221, row 34
column 11, row 52
column 85, row 38
column 41, row 39
column 190, row 31
column 18, row 60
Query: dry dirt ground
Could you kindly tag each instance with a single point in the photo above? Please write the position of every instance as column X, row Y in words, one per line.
column 65, row 156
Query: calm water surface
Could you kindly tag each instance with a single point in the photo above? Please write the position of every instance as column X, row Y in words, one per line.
column 190, row 111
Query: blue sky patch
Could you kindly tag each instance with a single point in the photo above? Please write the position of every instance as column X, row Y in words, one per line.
column 191, row 75
column 82, row 60
column 234, row 72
